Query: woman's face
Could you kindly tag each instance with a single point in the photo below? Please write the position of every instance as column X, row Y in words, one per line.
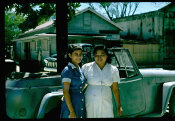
column 100, row 57
column 76, row 56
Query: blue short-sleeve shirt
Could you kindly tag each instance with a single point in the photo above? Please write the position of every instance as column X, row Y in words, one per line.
column 77, row 82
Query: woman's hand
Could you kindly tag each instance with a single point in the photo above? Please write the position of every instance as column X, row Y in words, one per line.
column 85, row 87
column 119, row 110
column 72, row 115
column 116, row 93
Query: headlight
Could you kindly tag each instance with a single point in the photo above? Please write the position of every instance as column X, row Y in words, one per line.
column 46, row 61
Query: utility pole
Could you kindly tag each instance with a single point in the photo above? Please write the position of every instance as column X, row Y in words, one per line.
column 62, row 35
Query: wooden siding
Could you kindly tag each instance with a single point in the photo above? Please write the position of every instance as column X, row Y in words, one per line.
column 145, row 54
column 89, row 23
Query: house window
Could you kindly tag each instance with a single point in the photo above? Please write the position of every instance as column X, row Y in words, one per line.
column 44, row 45
column 38, row 45
column 33, row 46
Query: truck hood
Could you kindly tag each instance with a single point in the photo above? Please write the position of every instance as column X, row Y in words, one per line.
column 159, row 74
column 34, row 82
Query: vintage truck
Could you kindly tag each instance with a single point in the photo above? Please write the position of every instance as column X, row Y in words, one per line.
column 143, row 92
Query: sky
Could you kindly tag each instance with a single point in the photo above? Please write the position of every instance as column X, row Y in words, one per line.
column 143, row 7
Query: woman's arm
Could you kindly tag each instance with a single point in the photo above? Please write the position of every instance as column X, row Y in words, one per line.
column 85, row 87
column 66, row 86
column 115, row 90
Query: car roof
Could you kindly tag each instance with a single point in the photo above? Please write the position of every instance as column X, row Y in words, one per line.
column 82, row 44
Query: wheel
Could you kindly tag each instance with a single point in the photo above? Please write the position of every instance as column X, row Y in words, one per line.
column 54, row 113
column 172, row 105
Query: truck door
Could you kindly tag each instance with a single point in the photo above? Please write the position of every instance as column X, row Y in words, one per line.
column 130, row 86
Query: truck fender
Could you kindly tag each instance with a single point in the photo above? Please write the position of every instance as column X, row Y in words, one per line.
column 167, row 90
column 45, row 101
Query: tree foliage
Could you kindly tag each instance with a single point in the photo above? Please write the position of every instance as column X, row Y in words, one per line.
column 11, row 26
column 38, row 13
column 35, row 13
column 71, row 9
column 117, row 9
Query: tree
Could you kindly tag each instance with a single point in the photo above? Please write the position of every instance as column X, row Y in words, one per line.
column 11, row 26
column 71, row 9
column 11, row 29
column 117, row 9
column 35, row 13
column 38, row 13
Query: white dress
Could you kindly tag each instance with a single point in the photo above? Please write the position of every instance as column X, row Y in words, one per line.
column 98, row 96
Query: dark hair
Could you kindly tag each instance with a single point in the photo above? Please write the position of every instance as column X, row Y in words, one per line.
column 102, row 47
column 71, row 49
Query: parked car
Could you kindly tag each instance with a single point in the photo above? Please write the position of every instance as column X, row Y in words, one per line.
column 143, row 92
column 10, row 67
column 87, row 52
column 51, row 62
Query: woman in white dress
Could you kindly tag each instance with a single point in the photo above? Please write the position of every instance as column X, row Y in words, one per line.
column 101, row 76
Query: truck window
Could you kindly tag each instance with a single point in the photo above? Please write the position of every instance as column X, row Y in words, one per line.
column 124, row 64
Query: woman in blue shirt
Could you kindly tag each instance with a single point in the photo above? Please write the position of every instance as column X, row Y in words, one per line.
column 73, row 81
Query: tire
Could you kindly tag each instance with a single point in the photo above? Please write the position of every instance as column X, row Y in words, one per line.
column 55, row 109
column 54, row 113
column 172, row 105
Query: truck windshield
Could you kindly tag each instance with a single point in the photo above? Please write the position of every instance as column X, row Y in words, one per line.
column 123, row 62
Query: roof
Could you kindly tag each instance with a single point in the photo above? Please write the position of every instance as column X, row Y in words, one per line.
column 40, row 27
column 150, row 13
column 98, row 14
column 35, row 36
column 82, row 44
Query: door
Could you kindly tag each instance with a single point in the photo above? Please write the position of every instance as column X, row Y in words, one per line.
column 27, row 50
column 130, row 85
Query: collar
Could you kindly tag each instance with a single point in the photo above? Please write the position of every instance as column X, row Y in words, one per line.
column 106, row 65
column 72, row 65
